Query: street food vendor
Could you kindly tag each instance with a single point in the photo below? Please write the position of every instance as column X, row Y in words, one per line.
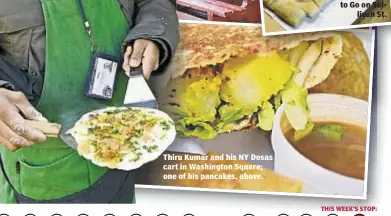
column 46, row 49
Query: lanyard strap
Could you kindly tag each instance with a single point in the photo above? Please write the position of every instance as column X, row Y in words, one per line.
column 87, row 26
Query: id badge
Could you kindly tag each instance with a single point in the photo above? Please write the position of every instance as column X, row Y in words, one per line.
column 101, row 76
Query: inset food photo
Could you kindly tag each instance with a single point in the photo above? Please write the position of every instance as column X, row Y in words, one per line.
column 296, row 16
column 284, row 115
column 243, row 11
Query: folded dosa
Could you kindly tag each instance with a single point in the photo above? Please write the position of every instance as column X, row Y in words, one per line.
column 230, row 77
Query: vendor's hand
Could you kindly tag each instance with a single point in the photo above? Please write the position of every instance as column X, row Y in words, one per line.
column 143, row 52
column 13, row 131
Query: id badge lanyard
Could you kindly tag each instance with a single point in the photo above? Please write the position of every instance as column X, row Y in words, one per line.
column 94, row 47
column 103, row 68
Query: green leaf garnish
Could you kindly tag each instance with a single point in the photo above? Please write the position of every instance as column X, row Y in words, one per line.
column 331, row 132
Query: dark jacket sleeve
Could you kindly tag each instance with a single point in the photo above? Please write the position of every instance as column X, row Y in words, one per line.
column 6, row 79
column 15, row 79
column 5, row 84
column 156, row 20
column 12, row 78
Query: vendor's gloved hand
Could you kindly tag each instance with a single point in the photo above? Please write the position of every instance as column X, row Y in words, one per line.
column 13, row 131
column 145, row 52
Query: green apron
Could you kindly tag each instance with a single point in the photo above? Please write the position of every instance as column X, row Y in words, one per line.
column 52, row 171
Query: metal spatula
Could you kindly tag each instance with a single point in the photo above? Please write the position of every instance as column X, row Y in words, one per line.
column 138, row 93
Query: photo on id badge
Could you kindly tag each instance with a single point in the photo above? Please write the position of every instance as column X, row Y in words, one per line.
column 286, row 115
column 295, row 16
column 101, row 77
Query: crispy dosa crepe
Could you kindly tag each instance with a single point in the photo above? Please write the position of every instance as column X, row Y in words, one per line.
column 288, row 11
column 230, row 77
column 237, row 178
column 123, row 138
column 294, row 11
column 210, row 44
column 350, row 76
